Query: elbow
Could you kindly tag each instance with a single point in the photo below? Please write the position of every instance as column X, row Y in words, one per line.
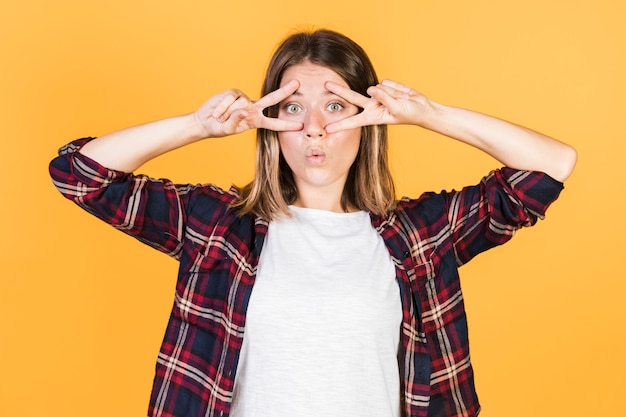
column 565, row 164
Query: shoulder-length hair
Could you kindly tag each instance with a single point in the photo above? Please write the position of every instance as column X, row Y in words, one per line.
column 369, row 185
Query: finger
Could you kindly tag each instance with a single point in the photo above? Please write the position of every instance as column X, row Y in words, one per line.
column 351, row 96
column 358, row 120
column 280, row 125
column 242, row 103
column 230, row 97
column 235, row 123
column 390, row 91
column 278, row 95
column 396, row 85
column 388, row 97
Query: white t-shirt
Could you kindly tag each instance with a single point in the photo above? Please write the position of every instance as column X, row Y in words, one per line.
column 323, row 322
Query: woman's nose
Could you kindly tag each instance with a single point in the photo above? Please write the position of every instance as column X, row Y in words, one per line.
column 314, row 125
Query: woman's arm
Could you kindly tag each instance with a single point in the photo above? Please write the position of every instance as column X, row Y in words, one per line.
column 225, row 114
column 511, row 144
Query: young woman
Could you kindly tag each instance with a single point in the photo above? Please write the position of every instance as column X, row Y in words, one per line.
column 312, row 291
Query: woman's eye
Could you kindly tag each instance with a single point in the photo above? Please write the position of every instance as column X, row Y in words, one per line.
column 335, row 107
column 292, row 108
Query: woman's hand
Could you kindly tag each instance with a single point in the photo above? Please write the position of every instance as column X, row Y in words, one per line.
column 224, row 114
column 511, row 144
column 233, row 112
column 390, row 103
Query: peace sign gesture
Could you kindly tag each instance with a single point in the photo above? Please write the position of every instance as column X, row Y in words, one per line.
column 390, row 103
column 233, row 112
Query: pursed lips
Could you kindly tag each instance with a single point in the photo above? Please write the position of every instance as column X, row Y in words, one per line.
column 315, row 156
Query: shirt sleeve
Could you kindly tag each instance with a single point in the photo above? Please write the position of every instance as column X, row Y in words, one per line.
column 489, row 214
column 151, row 210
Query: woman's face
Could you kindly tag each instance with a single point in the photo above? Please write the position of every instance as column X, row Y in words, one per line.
column 320, row 161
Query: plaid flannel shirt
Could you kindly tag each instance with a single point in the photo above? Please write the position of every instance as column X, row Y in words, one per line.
column 428, row 239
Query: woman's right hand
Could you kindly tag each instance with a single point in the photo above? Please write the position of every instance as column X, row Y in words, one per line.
column 224, row 114
column 233, row 112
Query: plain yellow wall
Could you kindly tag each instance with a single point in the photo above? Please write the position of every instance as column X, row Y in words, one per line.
column 83, row 307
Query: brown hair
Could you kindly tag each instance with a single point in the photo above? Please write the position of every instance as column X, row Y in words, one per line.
column 369, row 185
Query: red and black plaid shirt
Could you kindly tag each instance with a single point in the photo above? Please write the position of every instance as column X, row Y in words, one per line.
column 428, row 239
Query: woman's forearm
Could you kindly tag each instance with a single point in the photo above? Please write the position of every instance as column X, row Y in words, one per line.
column 511, row 144
column 127, row 149
column 224, row 114
column 518, row 147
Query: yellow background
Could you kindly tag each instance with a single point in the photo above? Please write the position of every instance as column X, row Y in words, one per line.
column 83, row 307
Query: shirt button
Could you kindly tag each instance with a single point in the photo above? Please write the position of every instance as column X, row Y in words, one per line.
column 406, row 254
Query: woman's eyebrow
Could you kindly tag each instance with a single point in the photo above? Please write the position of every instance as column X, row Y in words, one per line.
column 298, row 93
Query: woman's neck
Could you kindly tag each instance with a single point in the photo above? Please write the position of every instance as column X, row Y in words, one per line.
column 320, row 202
column 322, row 197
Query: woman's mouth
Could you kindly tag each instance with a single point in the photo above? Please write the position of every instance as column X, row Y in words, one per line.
column 315, row 156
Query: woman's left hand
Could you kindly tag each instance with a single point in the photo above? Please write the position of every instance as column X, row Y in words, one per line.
column 513, row 145
column 390, row 103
